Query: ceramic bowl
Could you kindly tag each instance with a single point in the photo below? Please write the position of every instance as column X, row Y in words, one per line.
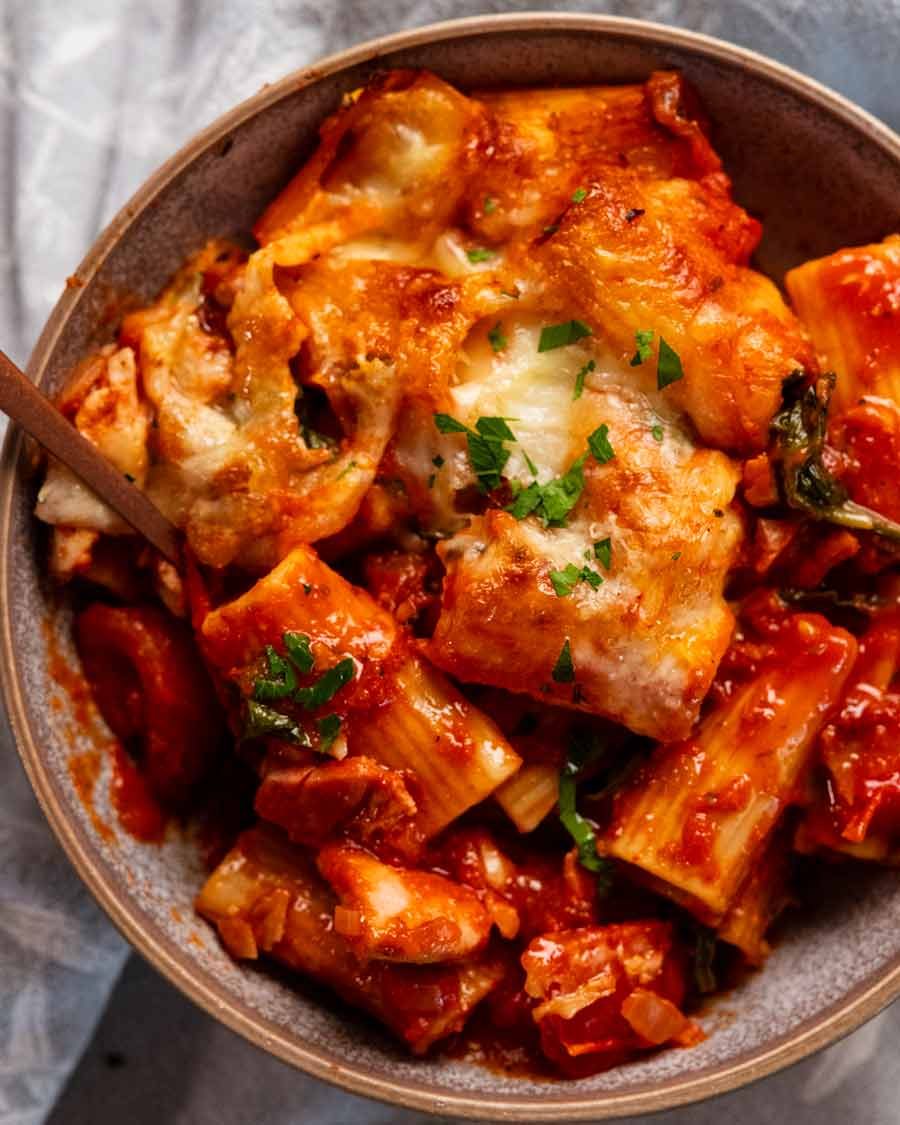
column 821, row 174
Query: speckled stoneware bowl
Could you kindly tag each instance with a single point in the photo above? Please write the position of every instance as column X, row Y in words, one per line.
column 821, row 174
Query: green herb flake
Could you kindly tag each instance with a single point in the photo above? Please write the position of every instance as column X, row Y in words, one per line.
column 582, row 830
column 265, row 722
column 496, row 338
column 297, row 645
column 280, row 682
column 307, row 589
column 643, row 339
column 490, row 205
column 559, row 497
column 552, row 501
column 580, row 195
column 532, row 468
column 432, row 477
column 328, row 727
column 564, row 670
column 438, row 461
column 603, row 552
column 668, row 367
column 327, row 685
column 600, row 446
column 657, row 433
column 525, row 500
column 449, row 425
column 129, row 478
column 565, row 581
column 494, row 429
column 552, row 228
column 676, row 556
column 512, row 294
column 480, row 254
column 561, row 335
column 580, row 378
column 487, row 453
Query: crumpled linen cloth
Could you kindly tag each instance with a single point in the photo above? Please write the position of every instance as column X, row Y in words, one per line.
column 93, row 95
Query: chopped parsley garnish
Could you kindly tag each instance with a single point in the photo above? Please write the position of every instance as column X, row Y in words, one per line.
column 580, row 378
column 490, row 205
column 643, row 338
column 327, row 685
column 532, row 468
column 551, row 229
column 280, row 683
column 668, row 363
column 129, row 478
column 580, row 195
column 432, row 477
column 676, row 556
column 582, row 830
column 480, row 254
column 657, row 432
column 307, row 588
column 561, row 335
column 564, row 581
column 564, row 670
column 487, row 452
column 264, row 721
column 496, row 338
column 668, row 367
column 329, row 727
column 599, row 444
column 297, row 645
column 437, row 461
column 603, row 552
column 633, row 213
column 512, row 294
column 552, row 501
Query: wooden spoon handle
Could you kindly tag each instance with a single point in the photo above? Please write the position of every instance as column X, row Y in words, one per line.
column 25, row 405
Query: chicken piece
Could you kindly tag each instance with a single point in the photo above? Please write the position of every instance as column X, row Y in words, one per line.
column 266, row 897
column 395, row 914
column 669, row 257
column 605, row 993
column 358, row 797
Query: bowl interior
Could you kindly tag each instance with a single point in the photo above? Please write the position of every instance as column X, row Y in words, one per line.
column 818, row 180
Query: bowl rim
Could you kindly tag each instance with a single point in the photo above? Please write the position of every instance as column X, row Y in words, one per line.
column 174, row 962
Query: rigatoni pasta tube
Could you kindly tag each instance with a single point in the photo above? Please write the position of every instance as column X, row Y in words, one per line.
column 529, row 795
column 267, row 897
column 697, row 816
column 846, row 302
column 399, row 710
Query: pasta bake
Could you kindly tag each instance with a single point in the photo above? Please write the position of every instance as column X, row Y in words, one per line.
column 538, row 610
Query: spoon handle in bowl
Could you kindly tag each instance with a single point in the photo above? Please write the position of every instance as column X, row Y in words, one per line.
column 25, row 405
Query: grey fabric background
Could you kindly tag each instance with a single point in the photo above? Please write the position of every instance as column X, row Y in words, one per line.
column 93, row 95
